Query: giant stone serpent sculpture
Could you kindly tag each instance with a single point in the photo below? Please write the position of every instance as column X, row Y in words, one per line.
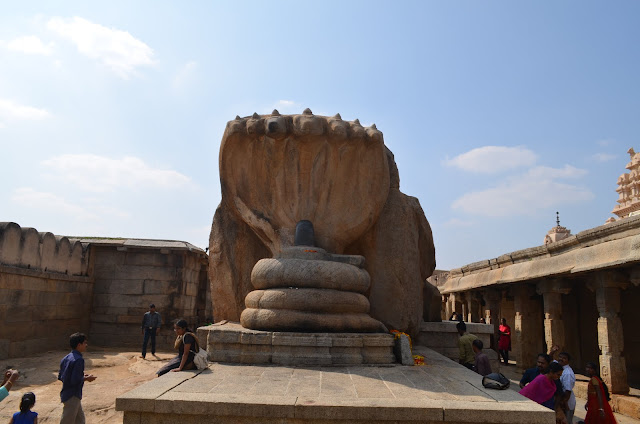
column 278, row 170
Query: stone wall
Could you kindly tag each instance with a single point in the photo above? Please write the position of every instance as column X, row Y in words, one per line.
column 443, row 338
column 27, row 248
column 101, row 287
column 129, row 278
column 43, row 280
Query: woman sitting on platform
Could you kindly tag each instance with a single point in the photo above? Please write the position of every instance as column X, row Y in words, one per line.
column 186, row 342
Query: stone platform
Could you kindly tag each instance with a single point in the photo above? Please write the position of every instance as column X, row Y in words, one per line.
column 230, row 342
column 440, row 391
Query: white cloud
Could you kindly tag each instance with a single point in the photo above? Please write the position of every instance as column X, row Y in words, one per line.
column 30, row 198
column 603, row 157
column 185, row 76
column 286, row 107
column 101, row 174
column 10, row 110
column 526, row 194
column 546, row 172
column 458, row 223
column 493, row 159
column 605, row 142
column 116, row 49
column 30, row 44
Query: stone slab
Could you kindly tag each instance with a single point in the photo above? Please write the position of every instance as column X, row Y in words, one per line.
column 439, row 391
column 230, row 342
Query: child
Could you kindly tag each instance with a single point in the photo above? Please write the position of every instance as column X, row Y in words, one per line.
column 26, row 415
column 73, row 377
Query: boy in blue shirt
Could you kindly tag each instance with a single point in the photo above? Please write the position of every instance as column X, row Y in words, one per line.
column 73, row 377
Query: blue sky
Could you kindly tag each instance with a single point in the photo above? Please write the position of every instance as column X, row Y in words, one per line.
column 499, row 113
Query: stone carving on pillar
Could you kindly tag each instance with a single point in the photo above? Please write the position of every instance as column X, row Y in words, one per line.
column 552, row 291
column 613, row 368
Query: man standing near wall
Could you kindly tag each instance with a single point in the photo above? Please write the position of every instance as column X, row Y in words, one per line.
column 151, row 323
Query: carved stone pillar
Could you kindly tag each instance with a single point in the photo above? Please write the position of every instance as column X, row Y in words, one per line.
column 473, row 307
column 492, row 300
column 527, row 325
column 552, row 291
column 461, row 298
column 446, row 307
column 613, row 367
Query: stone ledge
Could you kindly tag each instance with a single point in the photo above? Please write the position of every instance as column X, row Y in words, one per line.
column 230, row 342
column 450, row 327
column 7, row 269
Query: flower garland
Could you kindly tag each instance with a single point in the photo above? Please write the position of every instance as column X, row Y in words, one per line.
column 417, row 359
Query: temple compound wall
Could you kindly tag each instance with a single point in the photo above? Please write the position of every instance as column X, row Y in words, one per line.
column 52, row 286
column 581, row 293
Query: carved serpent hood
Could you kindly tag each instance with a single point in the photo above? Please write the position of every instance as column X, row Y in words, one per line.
column 276, row 170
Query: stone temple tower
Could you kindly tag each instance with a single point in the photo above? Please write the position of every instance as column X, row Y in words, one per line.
column 629, row 188
column 557, row 233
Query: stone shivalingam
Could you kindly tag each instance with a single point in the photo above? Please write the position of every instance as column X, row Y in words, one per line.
column 276, row 170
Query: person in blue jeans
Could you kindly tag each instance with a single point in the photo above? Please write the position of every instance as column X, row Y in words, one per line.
column 73, row 377
column 151, row 322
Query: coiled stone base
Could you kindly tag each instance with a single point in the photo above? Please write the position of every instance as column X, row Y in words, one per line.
column 307, row 289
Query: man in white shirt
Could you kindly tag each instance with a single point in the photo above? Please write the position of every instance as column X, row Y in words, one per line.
column 568, row 379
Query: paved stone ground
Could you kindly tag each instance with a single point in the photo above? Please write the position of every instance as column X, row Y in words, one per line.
column 440, row 390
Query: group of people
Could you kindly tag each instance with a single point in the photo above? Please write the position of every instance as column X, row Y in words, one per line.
column 73, row 377
column 550, row 383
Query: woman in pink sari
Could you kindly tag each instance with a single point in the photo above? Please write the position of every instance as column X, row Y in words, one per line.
column 543, row 387
column 598, row 409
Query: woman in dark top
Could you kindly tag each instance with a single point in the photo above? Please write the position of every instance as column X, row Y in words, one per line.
column 187, row 342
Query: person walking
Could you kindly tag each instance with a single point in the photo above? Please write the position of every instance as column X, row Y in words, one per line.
column 597, row 406
column 73, row 377
column 151, row 322
column 568, row 380
column 504, row 342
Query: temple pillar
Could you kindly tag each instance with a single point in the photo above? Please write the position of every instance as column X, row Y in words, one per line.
column 492, row 300
column 473, row 307
column 526, row 328
column 446, row 306
column 462, row 298
column 613, row 367
column 552, row 291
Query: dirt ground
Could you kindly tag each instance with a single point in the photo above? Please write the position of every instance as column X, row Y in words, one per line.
column 118, row 371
